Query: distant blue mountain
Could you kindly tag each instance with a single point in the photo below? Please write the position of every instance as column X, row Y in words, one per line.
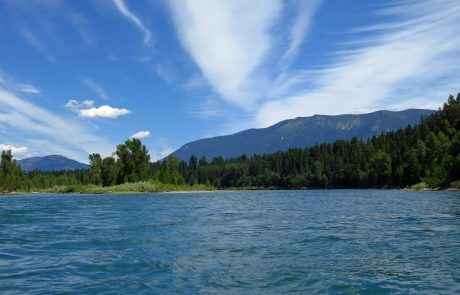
column 300, row 132
column 50, row 163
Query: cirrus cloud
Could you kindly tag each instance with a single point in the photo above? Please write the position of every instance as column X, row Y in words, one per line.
column 47, row 132
column 27, row 88
column 123, row 8
column 9, row 83
column 93, row 86
column 228, row 40
column 410, row 61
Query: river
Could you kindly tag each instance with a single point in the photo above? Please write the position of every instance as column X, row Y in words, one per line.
column 243, row 242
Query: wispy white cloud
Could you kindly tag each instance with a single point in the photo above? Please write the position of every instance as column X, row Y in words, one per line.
column 195, row 82
column 34, row 41
column 413, row 56
column 408, row 58
column 40, row 130
column 41, row 23
column 96, row 88
column 140, row 134
column 307, row 10
column 14, row 149
column 123, row 8
column 163, row 72
column 31, row 123
column 8, row 83
column 27, row 88
column 104, row 111
column 82, row 25
column 206, row 108
column 227, row 40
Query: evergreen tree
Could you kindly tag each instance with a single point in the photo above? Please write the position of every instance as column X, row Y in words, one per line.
column 95, row 162
column 10, row 173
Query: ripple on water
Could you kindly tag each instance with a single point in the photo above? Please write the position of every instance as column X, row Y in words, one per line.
column 261, row 242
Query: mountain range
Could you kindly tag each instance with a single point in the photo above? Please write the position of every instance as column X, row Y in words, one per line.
column 300, row 132
column 50, row 163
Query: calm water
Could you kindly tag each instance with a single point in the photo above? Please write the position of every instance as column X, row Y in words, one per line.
column 302, row 242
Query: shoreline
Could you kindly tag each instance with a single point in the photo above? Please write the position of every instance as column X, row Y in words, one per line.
column 105, row 193
column 3, row 194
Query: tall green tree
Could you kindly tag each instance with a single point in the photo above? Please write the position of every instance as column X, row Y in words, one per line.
column 109, row 171
column 133, row 161
column 10, row 173
column 95, row 162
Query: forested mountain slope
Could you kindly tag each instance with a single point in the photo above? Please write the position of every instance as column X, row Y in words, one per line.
column 300, row 132
column 50, row 163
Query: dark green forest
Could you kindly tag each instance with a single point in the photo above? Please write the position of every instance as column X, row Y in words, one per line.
column 427, row 154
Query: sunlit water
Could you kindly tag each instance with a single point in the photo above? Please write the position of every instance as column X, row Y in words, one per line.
column 302, row 242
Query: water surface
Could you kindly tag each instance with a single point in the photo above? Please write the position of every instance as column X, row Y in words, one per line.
column 262, row 242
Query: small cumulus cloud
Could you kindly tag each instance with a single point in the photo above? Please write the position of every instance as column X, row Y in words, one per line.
column 140, row 134
column 14, row 149
column 104, row 111
column 75, row 104
column 88, row 103
column 86, row 109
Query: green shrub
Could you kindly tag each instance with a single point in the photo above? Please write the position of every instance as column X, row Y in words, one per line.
column 455, row 184
column 419, row 186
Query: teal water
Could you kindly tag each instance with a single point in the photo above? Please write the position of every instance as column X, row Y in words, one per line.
column 262, row 242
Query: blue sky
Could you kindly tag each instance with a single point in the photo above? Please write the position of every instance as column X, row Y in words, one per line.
column 78, row 77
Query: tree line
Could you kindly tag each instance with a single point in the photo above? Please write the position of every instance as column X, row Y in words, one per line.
column 428, row 152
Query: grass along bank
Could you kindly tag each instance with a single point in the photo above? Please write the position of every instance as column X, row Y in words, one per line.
column 125, row 188
column 423, row 186
column 159, row 187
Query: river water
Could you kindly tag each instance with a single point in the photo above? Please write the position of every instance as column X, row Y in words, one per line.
column 255, row 242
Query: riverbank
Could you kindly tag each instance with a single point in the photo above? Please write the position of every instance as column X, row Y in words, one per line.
column 115, row 190
column 126, row 188
column 423, row 186
column 149, row 187
column 129, row 188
